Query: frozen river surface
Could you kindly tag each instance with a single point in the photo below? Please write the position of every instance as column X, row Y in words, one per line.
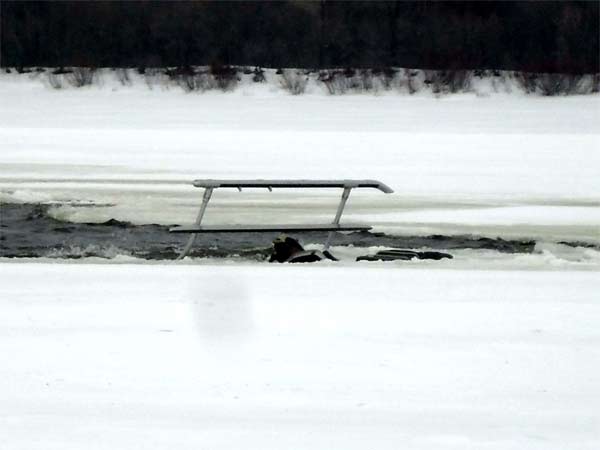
column 119, row 356
column 513, row 166
column 496, row 349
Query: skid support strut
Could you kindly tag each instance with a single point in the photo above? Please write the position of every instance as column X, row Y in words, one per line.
column 338, row 215
column 207, row 194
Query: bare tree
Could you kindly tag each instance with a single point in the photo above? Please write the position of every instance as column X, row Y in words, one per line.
column 294, row 81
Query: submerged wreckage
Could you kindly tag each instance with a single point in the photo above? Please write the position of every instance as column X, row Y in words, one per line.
column 288, row 249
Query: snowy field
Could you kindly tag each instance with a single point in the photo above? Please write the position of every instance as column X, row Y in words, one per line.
column 508, row 165
column 261, row 357
column 485, row 351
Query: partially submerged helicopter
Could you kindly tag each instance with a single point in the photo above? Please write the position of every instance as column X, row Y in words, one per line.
column 286, row 248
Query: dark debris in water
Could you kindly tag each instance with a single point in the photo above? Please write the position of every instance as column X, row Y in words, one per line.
column 403, row 255
column 576, row 244
column 27, row 230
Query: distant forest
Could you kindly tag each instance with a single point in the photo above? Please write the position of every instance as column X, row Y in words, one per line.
column 530, row 36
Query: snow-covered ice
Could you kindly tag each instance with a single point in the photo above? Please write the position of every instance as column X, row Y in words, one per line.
column 206, row 354
column 259, row 357
column 510, row 164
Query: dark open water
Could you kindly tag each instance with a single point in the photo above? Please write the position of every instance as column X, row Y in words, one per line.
column 26, row 230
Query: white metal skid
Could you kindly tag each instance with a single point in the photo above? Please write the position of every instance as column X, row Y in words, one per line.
column 210, row 185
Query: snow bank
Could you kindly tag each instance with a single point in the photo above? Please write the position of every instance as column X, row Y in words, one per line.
column 261, row 357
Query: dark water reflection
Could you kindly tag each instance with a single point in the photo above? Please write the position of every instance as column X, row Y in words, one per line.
column 26, row 230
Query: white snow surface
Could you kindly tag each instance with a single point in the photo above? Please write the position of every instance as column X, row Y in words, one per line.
column 316, row 357
column 499, row 164
column 462, row 354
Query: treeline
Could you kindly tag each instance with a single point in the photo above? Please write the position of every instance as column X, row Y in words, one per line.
column 541, row 36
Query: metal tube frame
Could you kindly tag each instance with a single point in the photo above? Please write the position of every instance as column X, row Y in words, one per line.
column 338, row 214
column 205, row 199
